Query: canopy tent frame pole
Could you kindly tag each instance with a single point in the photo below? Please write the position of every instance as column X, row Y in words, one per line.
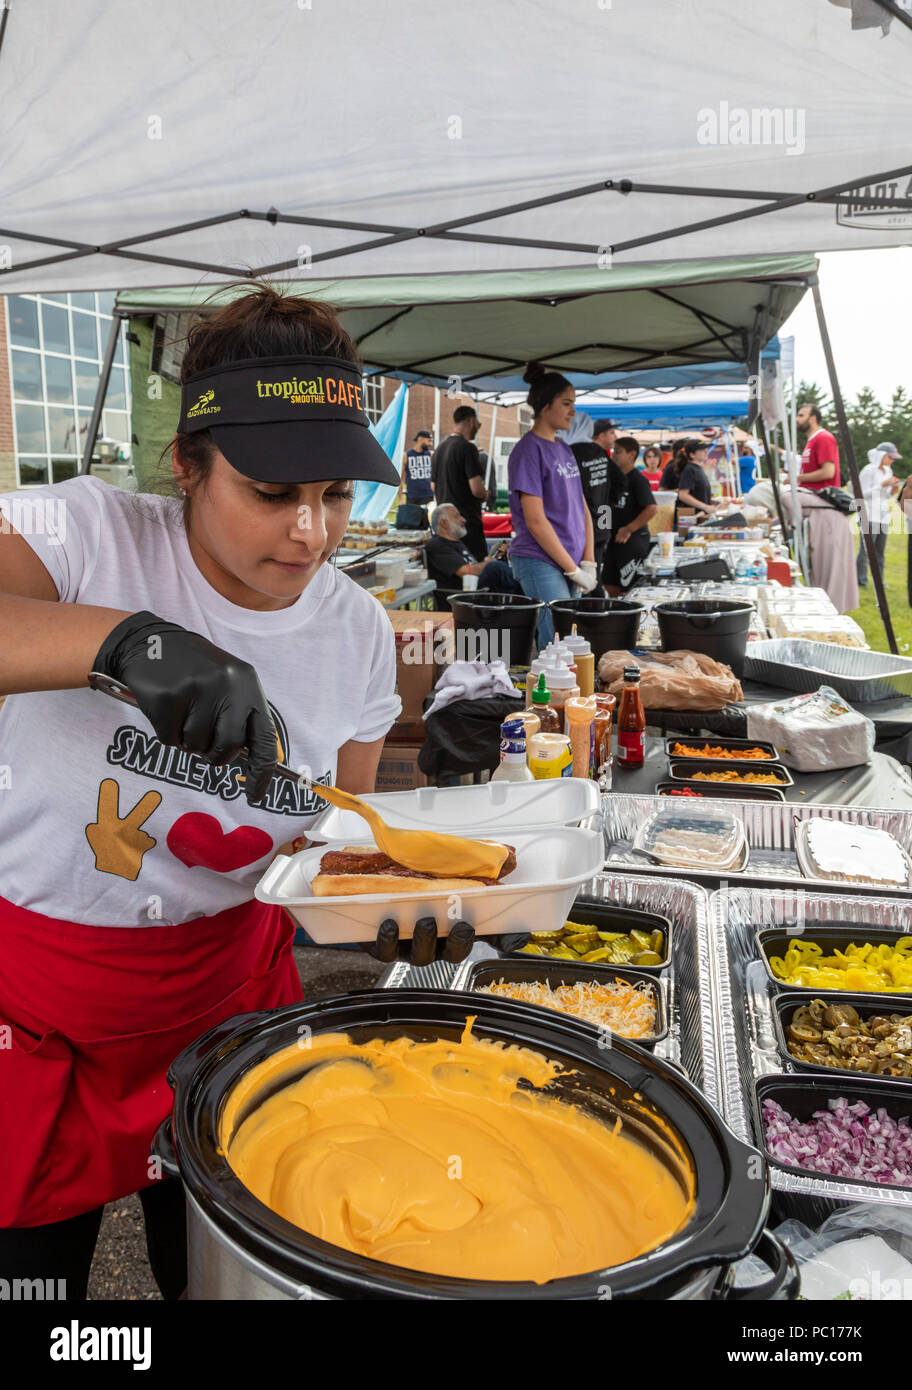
column 101, row 391
column 774, row 479
column 769, row 202
column 867, row 539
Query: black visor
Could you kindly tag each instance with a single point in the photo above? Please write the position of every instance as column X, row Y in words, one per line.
column 287, row 419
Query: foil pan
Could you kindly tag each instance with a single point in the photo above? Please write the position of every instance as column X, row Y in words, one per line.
column 690, row 1043
column 770, row 830
column 859, row 676
column 745, row 1032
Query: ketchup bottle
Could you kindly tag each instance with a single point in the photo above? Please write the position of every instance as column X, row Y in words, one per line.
column 631, row 721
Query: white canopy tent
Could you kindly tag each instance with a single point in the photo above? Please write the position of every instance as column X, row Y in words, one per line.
column 155, row 144
column 152, row 144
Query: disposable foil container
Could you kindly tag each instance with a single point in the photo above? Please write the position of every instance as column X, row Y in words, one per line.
column 746, row 1034
column 770, row 829
column 859, row 676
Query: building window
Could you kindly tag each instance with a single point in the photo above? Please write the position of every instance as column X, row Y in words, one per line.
column 57, row 344
column 373, row 398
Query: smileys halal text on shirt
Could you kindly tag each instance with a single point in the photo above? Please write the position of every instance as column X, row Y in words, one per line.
column 101, row 823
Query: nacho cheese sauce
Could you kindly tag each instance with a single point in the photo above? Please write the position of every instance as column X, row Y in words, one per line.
column 429, row 1156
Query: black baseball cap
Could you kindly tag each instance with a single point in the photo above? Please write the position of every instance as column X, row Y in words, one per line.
column 599, row 426
column 287, row 419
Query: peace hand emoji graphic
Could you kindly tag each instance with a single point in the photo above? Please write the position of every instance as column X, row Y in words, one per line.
column 119, row 844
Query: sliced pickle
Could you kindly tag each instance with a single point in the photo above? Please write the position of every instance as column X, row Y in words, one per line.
column 600, row 954
column 583, row 942
column 646, row 958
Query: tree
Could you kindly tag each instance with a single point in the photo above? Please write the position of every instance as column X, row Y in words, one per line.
column 870, row 422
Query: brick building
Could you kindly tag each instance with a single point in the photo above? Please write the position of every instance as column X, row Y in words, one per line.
column 430, row 409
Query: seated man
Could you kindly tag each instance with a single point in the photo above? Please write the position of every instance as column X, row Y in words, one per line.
column 449, row 558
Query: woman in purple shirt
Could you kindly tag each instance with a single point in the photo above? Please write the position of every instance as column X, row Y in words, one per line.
column 552, row 552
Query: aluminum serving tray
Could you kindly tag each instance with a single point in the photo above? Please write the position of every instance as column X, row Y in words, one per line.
column 689, row 994
column 770, row 830
column 746, row 1033
column 856, row 675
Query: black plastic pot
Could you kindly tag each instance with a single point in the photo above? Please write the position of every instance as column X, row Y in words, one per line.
column 683, row 769
column 495, row 626
column 555, row 972
column 714, row 627
column 802, row 1095
column 594, row 912
column 254, row 1244
column 785, row 1006
column 608, row 624
column 724, row 790
column 830, row 937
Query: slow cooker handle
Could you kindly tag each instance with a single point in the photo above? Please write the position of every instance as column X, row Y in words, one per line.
column 162, row 1149
column 186, row 1062
column 785, row 1279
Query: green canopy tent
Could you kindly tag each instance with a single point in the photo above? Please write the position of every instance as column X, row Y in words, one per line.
column 475, row 332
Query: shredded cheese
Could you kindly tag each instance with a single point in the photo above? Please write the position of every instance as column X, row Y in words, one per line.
column 628, row 1010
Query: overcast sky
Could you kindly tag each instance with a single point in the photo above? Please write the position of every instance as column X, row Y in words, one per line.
column 867, row 298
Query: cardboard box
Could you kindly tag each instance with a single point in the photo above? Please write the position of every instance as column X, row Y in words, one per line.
column 421, row 654
column 398, row 770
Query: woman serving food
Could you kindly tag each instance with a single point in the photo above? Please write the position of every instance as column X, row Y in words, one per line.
column 131, row 839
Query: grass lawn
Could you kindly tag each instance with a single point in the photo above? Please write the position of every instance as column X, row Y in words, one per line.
column 867, row 615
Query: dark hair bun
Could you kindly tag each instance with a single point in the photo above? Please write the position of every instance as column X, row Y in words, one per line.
column 533, row 371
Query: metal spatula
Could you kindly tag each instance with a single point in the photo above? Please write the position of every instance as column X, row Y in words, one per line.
column 425, row 851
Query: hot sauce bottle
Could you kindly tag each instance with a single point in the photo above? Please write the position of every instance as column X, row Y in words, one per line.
column 631, row 721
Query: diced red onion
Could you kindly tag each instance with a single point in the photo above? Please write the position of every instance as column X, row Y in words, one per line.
column 844, row 1141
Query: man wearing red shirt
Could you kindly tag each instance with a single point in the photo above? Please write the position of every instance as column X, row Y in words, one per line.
column 820, row 460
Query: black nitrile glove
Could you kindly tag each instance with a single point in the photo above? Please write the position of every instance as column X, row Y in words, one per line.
column 425, row 945
column 195, row 695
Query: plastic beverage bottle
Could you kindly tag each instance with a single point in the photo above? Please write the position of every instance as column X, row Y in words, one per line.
column 580, row 716
column 540, row 704
column 562, row 684
column 631, row 721
column 513, row 765
column 601, row 750
column 584, row 661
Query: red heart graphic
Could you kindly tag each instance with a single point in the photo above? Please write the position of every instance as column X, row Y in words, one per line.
column 198, row 840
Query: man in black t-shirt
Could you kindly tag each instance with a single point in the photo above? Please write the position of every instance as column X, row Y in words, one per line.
column 458, row 476
column 449, row 558
column 632, row 510
column 602, row 481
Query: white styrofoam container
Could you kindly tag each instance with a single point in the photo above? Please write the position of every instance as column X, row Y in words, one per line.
column 498, row 806
column 550, row 866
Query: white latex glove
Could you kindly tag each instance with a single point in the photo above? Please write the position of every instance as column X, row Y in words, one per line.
column 583, row 579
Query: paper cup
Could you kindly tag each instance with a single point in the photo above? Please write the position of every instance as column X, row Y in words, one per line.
column 470, row 582
column 666, row 544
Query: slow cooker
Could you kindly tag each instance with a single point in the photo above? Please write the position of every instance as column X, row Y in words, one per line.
column 240, row 1249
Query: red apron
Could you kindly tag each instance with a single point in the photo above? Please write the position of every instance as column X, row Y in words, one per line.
column 90, row 1020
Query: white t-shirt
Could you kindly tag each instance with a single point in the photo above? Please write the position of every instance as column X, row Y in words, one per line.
column 177, row 839
column 876, row 487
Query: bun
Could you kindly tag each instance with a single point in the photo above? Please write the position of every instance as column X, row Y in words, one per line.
column 347, row 885
column 533, row 371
